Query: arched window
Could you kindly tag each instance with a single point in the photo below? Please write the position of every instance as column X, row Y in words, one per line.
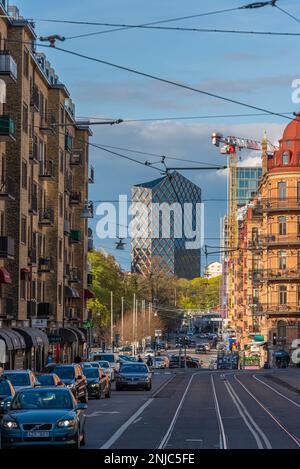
column 285, row 157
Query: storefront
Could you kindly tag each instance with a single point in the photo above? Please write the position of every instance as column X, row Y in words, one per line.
column 69, row 346
column 37, row 346
column 14, row 354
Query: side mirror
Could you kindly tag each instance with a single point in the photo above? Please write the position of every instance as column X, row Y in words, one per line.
column 81, row 406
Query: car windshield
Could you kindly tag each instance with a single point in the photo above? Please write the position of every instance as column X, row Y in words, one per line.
column 4, row 388
column 91, row 372
column 109, row 358
column 42, row 399
column 46, row 380
column 64, row 372
column 19, row 379
column 104, row 364
column 134, row 369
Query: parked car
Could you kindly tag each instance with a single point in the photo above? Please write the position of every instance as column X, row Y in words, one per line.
column 21, row 379
column 98, row 383
column 73, row 377
column 107, row 369
column 7, row 392
column 43, row 416
column 134, row 375
column 50, row 379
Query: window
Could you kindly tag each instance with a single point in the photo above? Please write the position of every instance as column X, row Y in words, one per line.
column 282, row 225
column 60, row 246
column 25, row 118
column 59, row 294
column 61, row 205
column 23, row 229
column 298, row 302
column 281, row 330
column 282, row 295
column 61, row 161
column 285, row 158
column 282, row 260
column 255, row 235
column 2, row 223
column 298, row 191
column 282, row 190
column 298, row 226
column 62, row 115
column 24, row 174
column 298, row 260
column 23, row 289
column 26, row 63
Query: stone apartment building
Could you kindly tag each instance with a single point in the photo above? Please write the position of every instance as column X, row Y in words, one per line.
column 44, row 205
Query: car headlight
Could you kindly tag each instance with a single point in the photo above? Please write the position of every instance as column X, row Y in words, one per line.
column 10, row 424
column 94, row 385
column 66, row 423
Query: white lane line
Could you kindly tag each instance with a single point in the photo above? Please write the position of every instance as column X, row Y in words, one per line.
column 132, row 419
column 223, row 441
column 244, row 414
column 293, row 437
column 168, row 434
column 277, row 392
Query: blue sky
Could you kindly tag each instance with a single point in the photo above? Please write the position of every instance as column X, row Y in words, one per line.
column 258, row 70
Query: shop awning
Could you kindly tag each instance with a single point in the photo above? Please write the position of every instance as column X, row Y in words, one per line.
column 84, row 331
column 88, row 294
column 5, row 276
column 25, row 274
column 12, row 339
column 33, row 337
column 68, row 334
column 71, row 292
column 79, row 333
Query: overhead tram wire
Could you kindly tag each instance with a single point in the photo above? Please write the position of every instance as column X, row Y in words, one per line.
column 166, row 81
column 287, row 13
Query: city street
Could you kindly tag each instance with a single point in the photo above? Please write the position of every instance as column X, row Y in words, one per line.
column 202, row 409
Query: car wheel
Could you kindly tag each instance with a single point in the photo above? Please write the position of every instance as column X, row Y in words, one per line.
column 83, row 439
column 76, row 445
column 148, row 387
column 118, row 387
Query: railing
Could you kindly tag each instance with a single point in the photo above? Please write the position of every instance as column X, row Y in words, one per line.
column 33, row 204
column 75, row 197
column 47, row 169
column 68, row 182
column 282, row 240
column 8, row 66
column 47, row 124
column 46, row 216
column 76, row 158
column 7, row 188
column 282, row 274
column 45, row 265
column 7, row 247
column 74, row 275
column 291, row 203
column 35, row 98
column 32, row 256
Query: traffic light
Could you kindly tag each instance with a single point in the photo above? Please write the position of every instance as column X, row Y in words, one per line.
column 274, row 338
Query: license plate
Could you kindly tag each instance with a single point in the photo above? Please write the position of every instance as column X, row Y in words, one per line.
column 37, row 434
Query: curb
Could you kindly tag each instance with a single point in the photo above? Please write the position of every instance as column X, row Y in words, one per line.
column 283, row 383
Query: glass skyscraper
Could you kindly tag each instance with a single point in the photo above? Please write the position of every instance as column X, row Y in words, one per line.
column 150, row 253
column 247, row 179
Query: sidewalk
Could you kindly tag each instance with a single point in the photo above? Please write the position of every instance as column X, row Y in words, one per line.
column 288, row 378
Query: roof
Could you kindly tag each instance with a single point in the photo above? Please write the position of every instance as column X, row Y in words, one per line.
column 150, row 184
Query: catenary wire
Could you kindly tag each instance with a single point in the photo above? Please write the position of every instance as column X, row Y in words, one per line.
column 287, row 13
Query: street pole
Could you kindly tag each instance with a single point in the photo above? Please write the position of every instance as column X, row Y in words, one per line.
column 136, row 323
column 122, row 320
column 149, row 318
column 111, row 321
column 133, row 323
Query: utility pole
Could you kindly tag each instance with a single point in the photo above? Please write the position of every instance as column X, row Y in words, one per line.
column 149, row 318
column 111, row 321
column 122, row 320
column 136, row 322
column 133, row 322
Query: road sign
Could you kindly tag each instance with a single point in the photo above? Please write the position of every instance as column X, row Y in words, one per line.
column 88, row 324
column 157, row 333
column 39, row 322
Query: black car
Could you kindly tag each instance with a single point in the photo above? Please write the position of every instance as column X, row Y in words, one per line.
column 133, row 375
column 97, row 382
column 201, row 348
column 174, row 361
column 50, row 379
column 7, row 392
column 72, row 376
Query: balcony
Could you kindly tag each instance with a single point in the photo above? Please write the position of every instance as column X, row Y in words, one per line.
column 92, row 174
column 292, row 203
column 7, row 189
column 46, row 217
column 7, row 129
column 75, row 236
column 282, row 240
column 75, row 198
column 256, row 275
column 90, row 279
column 8, row 67
column 289, row 309
column 255, row 245
column 47, row 125
column 31, row 308
column 47, row 169
column 32, row 256
column 68, row 142
column 45, row 310
column 33, row 208
column 35, row 99
column 7, row 247
column 45, row 265
column 67, row 227
column 34, row 151
column 283, row 275
column 90, row 244
column 76, row 158
column 68, row 182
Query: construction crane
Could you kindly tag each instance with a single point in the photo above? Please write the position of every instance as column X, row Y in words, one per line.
column 230, row 146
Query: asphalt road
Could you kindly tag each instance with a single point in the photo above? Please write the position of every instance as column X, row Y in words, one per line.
column 194, row 409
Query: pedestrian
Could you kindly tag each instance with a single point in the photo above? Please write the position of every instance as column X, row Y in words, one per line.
column 50, row 358
column 140, row 359
column 149, row 361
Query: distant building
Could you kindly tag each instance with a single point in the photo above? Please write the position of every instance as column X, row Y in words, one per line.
column 214, row 269
column 247, row 180
column 168, row 253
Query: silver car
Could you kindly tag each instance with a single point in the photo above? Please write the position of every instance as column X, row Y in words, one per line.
column 134, row 375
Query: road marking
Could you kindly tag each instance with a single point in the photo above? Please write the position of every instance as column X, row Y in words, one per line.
column 277, row 392
column 254, row 429
column 223, row 441
column 137, row 420
column 134, row 417
column 99, row 412
column 168, row 434
column 293, row 437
